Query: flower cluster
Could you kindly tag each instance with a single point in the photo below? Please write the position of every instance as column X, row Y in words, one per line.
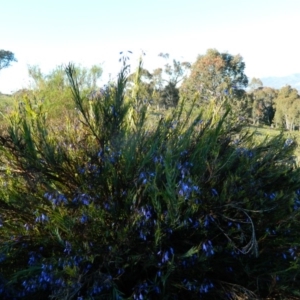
column 82, row 199
column 145, row 222
column 292, row 252
column 189, row 261
column 56, row 198
column 107, row 155
column 194, row 285
column 68, row 247
column 90, row 168
column 271, row 196
column 101, row 286
column 144, row 177
column 140, row 291
column 166, row 255
column 186, row 189
column 41, row 219
column 245, row 152
column 208, row 249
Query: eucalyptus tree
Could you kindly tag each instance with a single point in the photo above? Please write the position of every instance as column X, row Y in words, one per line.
column 161, row 86
column 169, row 77
column 255, row 83
column 215, row 74
column 263, row 107
column 287, row 103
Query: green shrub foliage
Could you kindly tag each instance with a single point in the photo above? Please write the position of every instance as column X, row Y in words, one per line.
column 106, row 207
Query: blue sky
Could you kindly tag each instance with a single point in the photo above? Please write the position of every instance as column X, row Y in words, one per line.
column 53, row 32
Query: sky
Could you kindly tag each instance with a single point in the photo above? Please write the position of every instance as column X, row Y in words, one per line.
column 49, row 33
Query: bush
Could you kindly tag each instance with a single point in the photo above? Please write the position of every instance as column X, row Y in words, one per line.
column 104, row 207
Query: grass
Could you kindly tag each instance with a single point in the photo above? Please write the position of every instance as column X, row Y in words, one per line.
column 6, row 103
column 262, row 132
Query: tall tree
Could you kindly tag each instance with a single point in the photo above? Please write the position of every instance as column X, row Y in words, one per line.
column 6, row 58
column 287, row 104
column 263, row 108
column 215, row 74
column 161, row 85
column 255, row 83
column 167, row 79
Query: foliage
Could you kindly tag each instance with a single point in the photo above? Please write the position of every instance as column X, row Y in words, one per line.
column 274, row 107
column 6, row 58
column 102, row 207
column 263, row 109
column 160, row 86
column 54, row 90
column 287, row 108
column 168, row 78
column 6, row 104
column 255, row 84
column 215, row 74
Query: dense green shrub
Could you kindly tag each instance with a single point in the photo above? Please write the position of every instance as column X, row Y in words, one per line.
column 104, row 207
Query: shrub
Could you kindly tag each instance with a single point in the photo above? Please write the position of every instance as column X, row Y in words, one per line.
column 104, row 207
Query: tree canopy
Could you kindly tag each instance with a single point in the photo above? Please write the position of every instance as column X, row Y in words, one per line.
column 6, row 58
column 263, row 103
column 160, row 86
column 255, row 84
column 215, row 74
column 287, row 108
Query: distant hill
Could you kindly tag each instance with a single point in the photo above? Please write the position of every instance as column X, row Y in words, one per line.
column 279, row 82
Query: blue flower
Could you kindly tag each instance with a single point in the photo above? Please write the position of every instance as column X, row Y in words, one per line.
column 83, row 218
column 33, row 258
column 207, row 247
column 27, row 226
column 68, row 247
column 288, row 142
column 42, row 219
column 158, row 159
column 2, row 257
column 207, row 220
column 56, row 199
column 214, row 192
